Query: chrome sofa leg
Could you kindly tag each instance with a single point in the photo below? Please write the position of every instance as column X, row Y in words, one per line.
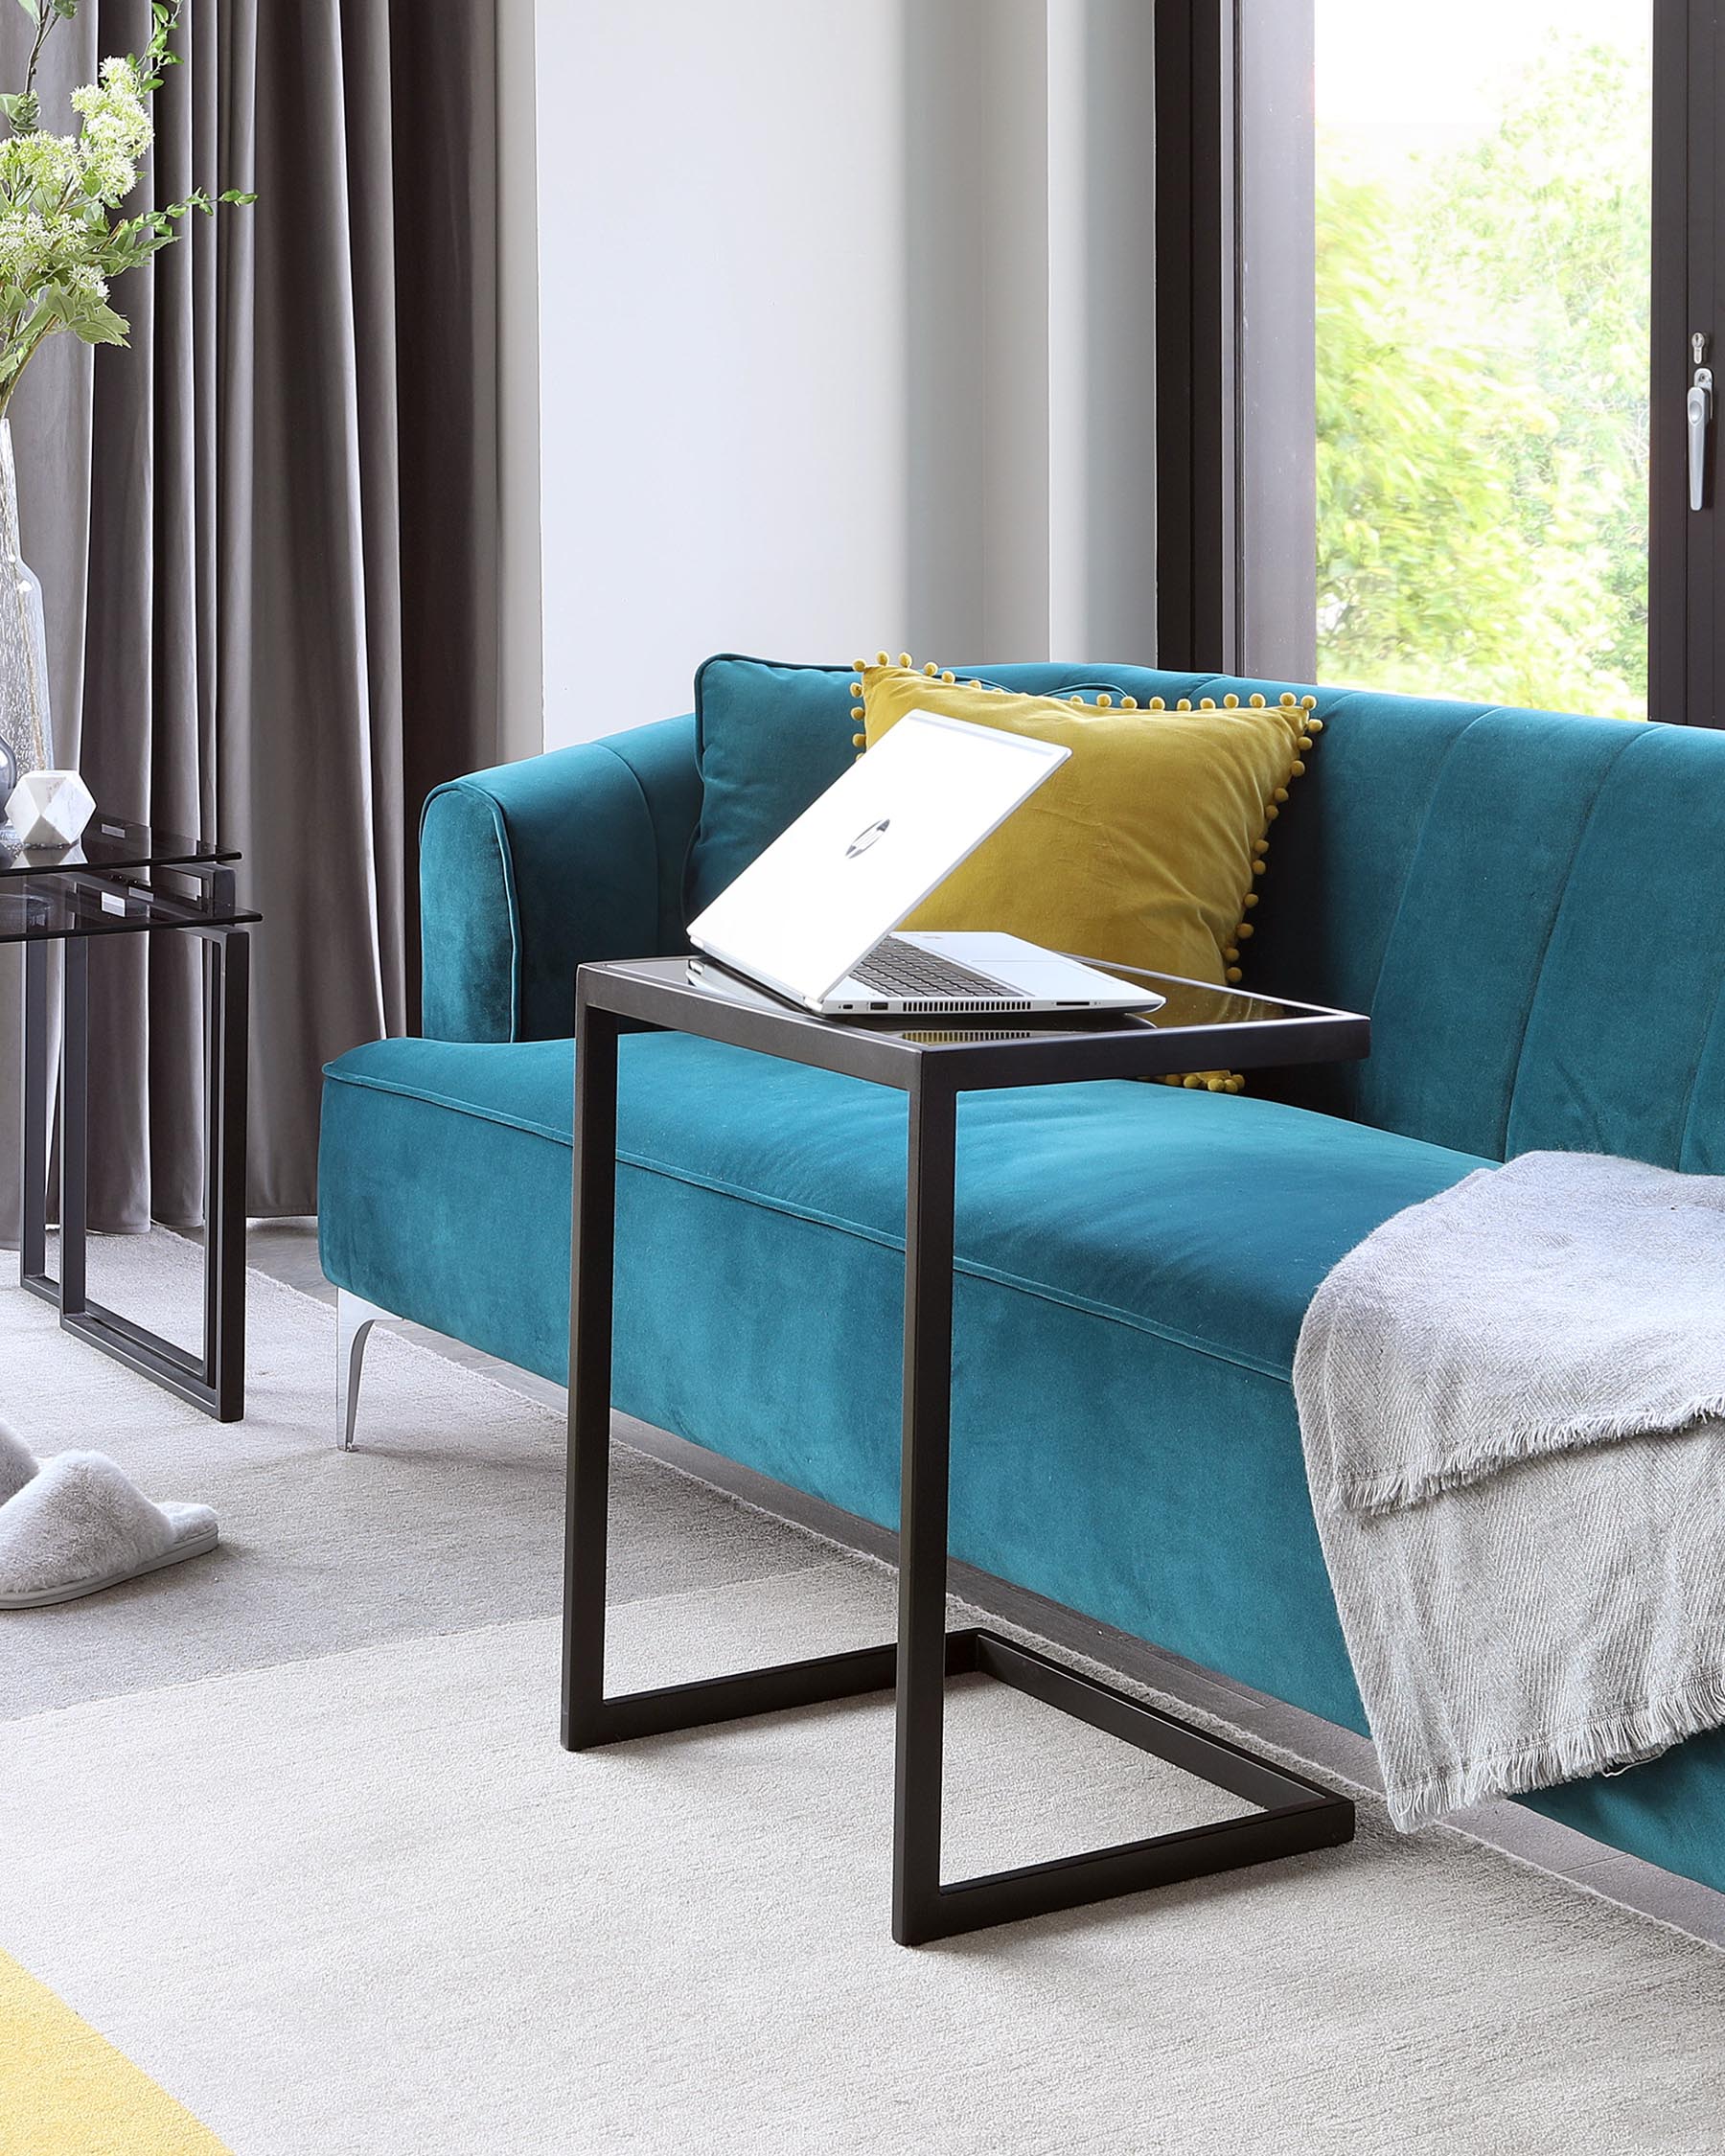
column 355, row 1318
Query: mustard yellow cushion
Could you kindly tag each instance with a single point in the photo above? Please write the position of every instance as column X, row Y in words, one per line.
column 1145, row 846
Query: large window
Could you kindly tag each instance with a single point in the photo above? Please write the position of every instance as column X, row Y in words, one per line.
column 1483, row 224
column 1440, row 301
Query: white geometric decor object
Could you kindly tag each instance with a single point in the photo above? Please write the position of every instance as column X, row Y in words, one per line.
column 50, row 807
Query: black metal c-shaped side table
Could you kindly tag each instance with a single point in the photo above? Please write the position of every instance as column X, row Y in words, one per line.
column 1199, row 1028
column 127, row 879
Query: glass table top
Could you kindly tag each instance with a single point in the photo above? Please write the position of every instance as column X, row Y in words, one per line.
column 109, row 842
column 65, row 904
column 1197, row 1032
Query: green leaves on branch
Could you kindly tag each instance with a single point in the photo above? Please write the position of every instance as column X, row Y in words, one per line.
column 164, row 14
column 88, row 318
column 59, row 242
column 23, row 108
column 134, row 241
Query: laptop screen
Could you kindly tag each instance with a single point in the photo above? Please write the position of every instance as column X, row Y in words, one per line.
column 870, row 850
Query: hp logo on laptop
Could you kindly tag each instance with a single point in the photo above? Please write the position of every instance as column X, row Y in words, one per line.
column 864, row 840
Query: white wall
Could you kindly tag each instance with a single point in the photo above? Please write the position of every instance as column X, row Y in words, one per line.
column 520, row 688
column 721, row 323
column 827, row 360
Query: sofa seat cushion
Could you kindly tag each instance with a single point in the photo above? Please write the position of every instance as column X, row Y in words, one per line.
column 1205, row 1219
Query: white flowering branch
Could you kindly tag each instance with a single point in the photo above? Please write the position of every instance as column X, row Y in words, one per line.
column 59, row 243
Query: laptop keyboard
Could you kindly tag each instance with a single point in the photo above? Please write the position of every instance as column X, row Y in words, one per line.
column 896, row 968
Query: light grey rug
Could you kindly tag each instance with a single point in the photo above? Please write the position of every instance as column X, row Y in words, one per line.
column 449, row 1516
column 340, row 1892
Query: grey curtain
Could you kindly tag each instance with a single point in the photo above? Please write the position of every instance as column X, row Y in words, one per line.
column 267, row 536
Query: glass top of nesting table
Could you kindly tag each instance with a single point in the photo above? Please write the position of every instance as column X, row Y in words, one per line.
column 76, row 906
column 109, row 842
column 120, row 879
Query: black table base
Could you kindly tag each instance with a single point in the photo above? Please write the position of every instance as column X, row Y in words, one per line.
column 1296, row 1815
column 215, row 1379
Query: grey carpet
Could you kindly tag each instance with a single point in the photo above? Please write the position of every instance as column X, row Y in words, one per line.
column 340, row 1891
column 449, row 1516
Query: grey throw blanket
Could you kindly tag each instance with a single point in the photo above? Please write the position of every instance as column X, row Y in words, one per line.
column 1510, row 1400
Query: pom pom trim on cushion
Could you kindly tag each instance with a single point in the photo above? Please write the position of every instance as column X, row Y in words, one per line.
column 1301, row 711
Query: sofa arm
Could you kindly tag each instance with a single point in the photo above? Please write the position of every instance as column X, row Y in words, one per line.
column 530, row 869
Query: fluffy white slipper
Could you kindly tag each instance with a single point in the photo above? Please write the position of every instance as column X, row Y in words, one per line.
column 18, row 1463
column 79, row 1526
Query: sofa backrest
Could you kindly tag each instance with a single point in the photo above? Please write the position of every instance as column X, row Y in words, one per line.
column 771, row 737
column 1531, row 906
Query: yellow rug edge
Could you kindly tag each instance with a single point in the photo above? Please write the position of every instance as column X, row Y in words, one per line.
column 66, row 2091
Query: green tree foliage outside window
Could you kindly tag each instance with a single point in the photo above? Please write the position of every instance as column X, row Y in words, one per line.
column 1482, row 404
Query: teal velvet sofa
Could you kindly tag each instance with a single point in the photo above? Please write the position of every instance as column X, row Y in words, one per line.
column 1529, row 905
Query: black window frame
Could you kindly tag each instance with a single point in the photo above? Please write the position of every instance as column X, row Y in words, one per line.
column 1235, row 450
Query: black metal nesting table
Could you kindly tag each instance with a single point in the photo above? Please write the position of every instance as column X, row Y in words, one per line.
column 1199, row 1028
column 128, row 878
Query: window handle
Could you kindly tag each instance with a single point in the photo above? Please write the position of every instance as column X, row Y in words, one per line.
column 1699, row 409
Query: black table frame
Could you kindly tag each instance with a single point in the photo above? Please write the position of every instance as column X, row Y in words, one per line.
column 215, row 1379
column 1296, row 1815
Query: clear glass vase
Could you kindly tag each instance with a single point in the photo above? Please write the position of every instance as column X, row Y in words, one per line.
column 26, row 728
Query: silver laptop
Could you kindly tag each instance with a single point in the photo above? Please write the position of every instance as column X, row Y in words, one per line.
column 811, row 918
